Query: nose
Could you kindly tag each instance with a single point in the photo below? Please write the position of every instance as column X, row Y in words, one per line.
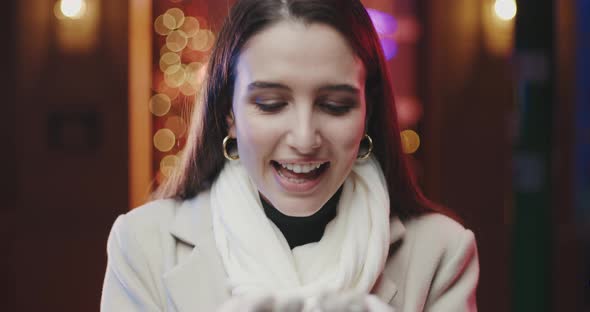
column 304, row 135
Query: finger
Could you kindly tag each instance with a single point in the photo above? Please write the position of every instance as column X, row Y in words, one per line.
column 348, row 301
column 376, row 305
column 262, row 304
column 289, row 305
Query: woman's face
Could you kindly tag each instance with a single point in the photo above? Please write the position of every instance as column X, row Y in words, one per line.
column 298, row 113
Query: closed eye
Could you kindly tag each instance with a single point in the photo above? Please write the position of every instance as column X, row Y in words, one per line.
column 335, row 109
column 337, row 105
column 270, row 107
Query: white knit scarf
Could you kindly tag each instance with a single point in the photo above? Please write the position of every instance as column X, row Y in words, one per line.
column 257, row 258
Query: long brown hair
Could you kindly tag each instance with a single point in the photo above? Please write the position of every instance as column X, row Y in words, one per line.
column 203, row 157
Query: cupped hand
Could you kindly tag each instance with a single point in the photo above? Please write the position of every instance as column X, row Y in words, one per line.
column 333, row 302
column 352, row 302
column 262, row 303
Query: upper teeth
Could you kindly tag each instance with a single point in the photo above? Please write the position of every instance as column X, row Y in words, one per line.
column 301, row 168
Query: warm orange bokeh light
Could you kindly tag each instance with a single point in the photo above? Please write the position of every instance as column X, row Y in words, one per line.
column 410, row 141
column 178, row 17
column 168, row 164
column 176, row 40
column 191, row 26
column 160, row 104
column 164, row 24
column 202, row 41
column 164, row 140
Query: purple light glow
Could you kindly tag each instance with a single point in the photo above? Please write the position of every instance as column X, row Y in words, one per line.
column 386, row 26
column 384, row 23
column 389, row 48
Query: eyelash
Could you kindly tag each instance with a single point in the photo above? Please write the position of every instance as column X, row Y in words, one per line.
column 334, row 109
column 270, row 107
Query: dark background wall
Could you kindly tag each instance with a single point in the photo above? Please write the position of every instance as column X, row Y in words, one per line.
column 471, row 104
column 66, row 120
column 8, row 157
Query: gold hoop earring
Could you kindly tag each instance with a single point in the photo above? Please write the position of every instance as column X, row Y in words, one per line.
column 369, row 150
column 225, row 153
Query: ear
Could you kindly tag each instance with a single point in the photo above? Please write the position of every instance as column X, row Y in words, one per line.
column 231, row 125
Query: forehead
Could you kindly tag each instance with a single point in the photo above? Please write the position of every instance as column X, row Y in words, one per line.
column 291, row 51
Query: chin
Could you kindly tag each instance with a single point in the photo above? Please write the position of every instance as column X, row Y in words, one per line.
column 301, row 206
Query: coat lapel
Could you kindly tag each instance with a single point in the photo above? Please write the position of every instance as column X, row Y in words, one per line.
column 386, row 288
column 196, row 283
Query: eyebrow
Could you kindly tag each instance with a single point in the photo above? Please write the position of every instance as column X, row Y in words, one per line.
column 266, row 85
column 274, row 85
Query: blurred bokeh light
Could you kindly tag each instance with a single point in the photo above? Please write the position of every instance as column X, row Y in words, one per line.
column 164, row 140
column 160, row 104
column 73, row 9
column 168, row 163
column 190, row 26
column 505, row 9
column 386, row 27
column 176, row 40
column 177, row 15
column 410, row 141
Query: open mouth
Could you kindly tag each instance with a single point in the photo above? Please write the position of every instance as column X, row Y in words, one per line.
column 301, row 176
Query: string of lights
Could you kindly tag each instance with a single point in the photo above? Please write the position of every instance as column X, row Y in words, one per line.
column 184, row 44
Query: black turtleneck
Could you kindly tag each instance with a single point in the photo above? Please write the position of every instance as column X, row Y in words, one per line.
column 303, row 230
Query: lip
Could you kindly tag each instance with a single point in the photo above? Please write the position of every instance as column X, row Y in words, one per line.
column 301, row 188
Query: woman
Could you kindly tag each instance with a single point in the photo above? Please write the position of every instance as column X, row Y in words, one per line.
column 293, row 185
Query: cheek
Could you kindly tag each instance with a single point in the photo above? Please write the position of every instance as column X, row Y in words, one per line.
column 346, row 137
column 256, row 138
column 349, row 144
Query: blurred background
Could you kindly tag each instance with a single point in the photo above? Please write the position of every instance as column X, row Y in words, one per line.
column 493, row 97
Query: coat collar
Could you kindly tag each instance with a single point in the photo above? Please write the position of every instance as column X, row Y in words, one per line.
column 192, row 223
column 396, row 229
column 385, row 288
column 204, row 269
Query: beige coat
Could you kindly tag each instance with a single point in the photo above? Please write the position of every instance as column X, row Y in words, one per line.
column 162, row 257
